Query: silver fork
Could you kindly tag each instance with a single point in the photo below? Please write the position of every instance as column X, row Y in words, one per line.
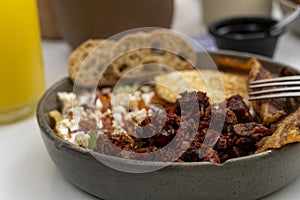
column 288, row 86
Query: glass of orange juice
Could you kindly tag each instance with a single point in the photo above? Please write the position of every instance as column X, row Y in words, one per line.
column 22, row 79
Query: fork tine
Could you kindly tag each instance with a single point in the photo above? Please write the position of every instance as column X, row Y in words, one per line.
column 277, row 95
column 283, row 89
column 277, row 79
column 272, row 84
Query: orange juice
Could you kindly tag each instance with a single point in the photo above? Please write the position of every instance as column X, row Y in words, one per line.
column 21, row 66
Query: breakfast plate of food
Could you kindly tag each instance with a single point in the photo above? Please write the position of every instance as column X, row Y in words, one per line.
column 173, row 133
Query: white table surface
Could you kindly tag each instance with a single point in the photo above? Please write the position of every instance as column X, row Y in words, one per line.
column 26, row 170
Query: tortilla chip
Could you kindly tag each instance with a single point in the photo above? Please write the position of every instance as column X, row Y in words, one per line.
column 235, row 64
column 169, row 86
column 56, row 115
column 287, row 132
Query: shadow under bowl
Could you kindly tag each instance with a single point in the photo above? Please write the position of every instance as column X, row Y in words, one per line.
column 249, row 177
column 247, row 34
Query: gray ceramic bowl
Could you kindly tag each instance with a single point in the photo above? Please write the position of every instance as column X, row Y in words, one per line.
column 249, row 177
column 287, row 7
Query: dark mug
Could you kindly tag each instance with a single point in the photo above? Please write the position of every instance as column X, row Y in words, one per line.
column 80, row 20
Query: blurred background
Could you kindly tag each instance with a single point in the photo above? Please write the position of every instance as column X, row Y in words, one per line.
column 66, row 23
column 78, row 20
column 188, row 16
column 27, row 171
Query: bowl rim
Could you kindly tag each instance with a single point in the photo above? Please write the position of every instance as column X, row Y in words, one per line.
column 212, row 28
column 61, row 143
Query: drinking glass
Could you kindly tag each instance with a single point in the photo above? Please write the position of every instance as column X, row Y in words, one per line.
column 22, row 79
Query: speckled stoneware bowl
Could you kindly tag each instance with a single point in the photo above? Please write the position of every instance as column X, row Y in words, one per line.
column 249, row 177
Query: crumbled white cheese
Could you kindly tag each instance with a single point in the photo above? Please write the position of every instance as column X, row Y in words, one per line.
column 84, row 106
column 99, row 104
column 71, row 138
column 147, row 97
column 107, row 113
column 119, row 109
column 117, row 113
column 118, row 120
column 66, row 126
column 63, row 128
column 133, row 103
column 97, row 115
column 85, row 98
column 139, row 115
column 128, row 101
column 137, row 94
column 128, row 117
column 66, row 98
column 105, row 90
column 117, row 131
column 146, row 89
column 121, row 99
column 74, row 125
column 99, row 124
column 82, row 139
column 78, row 113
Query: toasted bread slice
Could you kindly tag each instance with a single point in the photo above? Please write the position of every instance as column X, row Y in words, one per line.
column 104, row 62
